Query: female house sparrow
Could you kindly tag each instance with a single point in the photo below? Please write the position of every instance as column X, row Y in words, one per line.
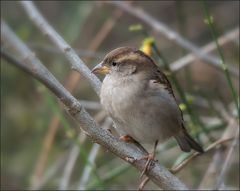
column 140, row 99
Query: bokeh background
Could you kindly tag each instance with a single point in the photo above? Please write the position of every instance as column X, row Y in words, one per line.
column 38, row 138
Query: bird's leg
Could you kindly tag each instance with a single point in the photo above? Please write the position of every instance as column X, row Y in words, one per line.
column 127, row 139
column 150, row 158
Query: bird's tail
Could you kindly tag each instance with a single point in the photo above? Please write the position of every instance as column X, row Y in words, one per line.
column 186, row 142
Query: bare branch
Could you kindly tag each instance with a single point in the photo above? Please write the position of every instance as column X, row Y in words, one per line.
column 28, row 62
column 218, row 158
column 72, row 158
column 71, row 55
column 90, row 105
column 73, row 155
column 184, row 61
column 51, row 172
column 226, row 164
column 179, row 167
column 109, row 175
column 52, row 49
column 92, row 156
column 88, row 168
column 42, row 159
column 170, row 34
column 212, row 169
column 71, row 83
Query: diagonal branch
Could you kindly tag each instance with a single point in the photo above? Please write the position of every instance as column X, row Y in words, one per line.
column 32, row 65
column 185, row 60
column 170, row 34
column 226, row 165
column 179, row 167
column 71, row 84
column 73, row 155
column 92, row 157
column 71, row 55
column 232, row 129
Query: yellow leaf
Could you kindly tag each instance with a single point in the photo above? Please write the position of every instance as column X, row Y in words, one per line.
column 147, row 46
column 182, row 106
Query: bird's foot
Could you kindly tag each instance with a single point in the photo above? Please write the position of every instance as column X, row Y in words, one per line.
column 150, row 159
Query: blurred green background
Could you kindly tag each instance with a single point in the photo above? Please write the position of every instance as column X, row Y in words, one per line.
column 35, row 151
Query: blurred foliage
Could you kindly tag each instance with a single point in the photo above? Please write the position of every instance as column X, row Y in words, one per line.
column 27, row 108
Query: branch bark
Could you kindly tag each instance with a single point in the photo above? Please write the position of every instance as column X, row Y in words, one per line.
column 71, row 83
column 185, row 60
column 74, row 153
column 31, row 64
column 179, row 167
column 59, row 42
column 221, row 178
column 91, row 158
column 161, row 28
column 210, row 177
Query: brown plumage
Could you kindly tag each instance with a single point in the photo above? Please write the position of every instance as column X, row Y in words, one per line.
column 140, row 99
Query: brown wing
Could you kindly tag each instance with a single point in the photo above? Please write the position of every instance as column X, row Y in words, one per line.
column 161, row 78
column 185, row 141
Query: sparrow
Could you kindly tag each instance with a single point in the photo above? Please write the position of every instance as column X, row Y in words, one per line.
column 140, row 100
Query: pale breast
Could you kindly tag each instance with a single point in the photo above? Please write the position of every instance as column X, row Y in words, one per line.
column 118, row 98
column 145, row 114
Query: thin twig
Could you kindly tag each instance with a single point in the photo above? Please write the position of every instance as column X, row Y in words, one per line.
column 226, row 164
column 143, row 183
column 92, row 157
column 51, row 49
column 88, row 169
column 71, row 55
column 185, row 60
column 73, row 155
column 211, row 25
column 213, row 169
column 108, row 176
column 42, row 159
column 169, row 33
column 51, row 171
column 72, row 158
column 32, row 65
column 179, row 167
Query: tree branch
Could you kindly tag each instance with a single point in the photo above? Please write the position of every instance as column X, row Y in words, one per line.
column 185, row 60
column 73, row 155
column 180, row 166
column 71, row 55
column 31, row 64
column 71, row 83
column 226, row 164
column 209, row 178
column 170, row 34
column 91, row 158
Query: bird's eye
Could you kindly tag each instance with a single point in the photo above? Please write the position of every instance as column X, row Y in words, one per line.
column 114, row 63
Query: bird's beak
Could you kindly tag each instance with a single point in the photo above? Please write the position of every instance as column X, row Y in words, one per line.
column 100, row 69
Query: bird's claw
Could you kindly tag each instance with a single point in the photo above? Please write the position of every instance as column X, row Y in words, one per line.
column 150, row 159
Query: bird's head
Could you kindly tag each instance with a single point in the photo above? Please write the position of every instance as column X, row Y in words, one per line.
column 124, row 61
